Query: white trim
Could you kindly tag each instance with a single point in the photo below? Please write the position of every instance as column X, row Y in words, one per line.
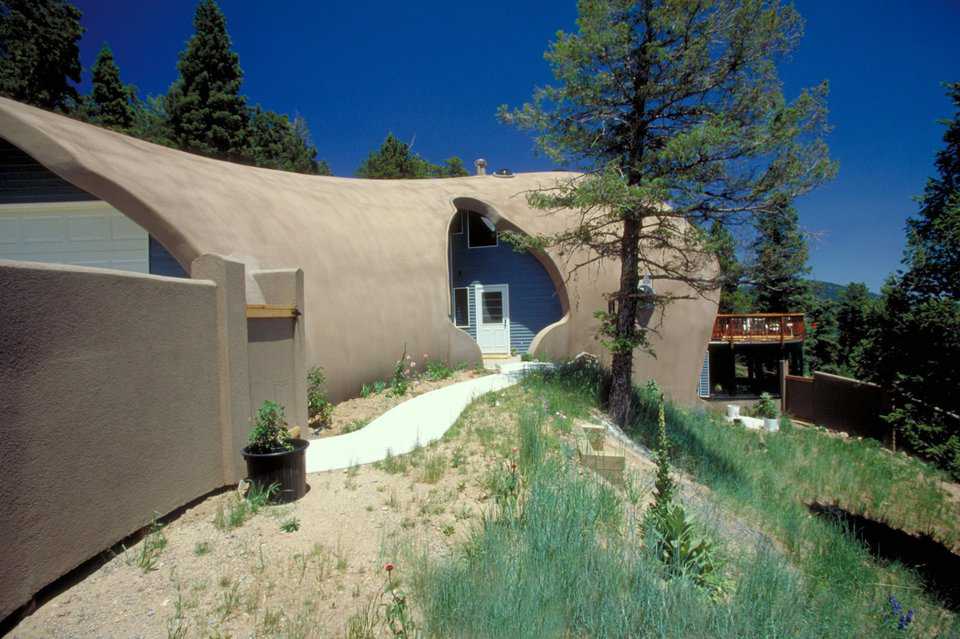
column 496, row 235
column 78, row 206
column 504, row 289
column 453, row 297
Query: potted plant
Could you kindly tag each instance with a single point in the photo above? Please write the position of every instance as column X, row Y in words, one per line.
column 767, row 410
column 274, row 457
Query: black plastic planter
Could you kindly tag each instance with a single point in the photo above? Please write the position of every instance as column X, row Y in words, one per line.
column 287, row 468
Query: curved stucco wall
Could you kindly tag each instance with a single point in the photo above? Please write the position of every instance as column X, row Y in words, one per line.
column 373, row 252
column 110, row 392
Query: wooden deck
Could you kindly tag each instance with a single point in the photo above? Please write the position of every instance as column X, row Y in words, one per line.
column 759, row 328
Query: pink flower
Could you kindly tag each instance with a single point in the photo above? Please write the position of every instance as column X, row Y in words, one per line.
column 388, row 567
column 514, row 450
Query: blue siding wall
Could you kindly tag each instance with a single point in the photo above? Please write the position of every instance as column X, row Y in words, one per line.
column 162, row 263
column 534, row 303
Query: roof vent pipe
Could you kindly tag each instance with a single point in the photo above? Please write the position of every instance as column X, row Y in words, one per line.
column 481, row 166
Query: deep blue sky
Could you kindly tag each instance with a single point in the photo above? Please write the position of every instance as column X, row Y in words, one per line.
column 436, row 71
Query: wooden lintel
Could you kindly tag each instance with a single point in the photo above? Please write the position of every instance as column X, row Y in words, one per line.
column 259, row 311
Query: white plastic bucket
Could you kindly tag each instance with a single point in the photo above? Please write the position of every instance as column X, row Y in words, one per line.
column 733, row 411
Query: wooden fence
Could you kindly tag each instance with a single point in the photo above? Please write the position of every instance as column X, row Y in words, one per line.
column 838, row 403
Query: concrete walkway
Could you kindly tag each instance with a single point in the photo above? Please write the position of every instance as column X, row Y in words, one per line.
column 415, row 422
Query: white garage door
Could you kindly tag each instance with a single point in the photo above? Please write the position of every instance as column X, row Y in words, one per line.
column 80, row 233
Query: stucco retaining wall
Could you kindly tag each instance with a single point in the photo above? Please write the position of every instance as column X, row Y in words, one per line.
column 122, row 395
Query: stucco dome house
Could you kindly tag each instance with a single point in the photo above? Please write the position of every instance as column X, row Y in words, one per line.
column 386, row 263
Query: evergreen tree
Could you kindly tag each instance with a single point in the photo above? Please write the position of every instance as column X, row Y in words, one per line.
column 668, row 101
column 150, row 121
column 206, row 112
column 914, row 346
column 395, row 160
column 733, row 297
column 392, row 160
column 39, row 54
column 453, row 167
column 779, row 262
column 109, row 102
column 853, row 320
column 821, row 348
column 276, row 143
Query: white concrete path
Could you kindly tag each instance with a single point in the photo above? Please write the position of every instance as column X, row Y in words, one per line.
column 415, row 422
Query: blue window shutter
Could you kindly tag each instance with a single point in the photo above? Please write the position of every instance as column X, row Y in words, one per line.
column 703, row 388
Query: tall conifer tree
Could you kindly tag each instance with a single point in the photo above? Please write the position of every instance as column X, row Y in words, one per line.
column 914, row 345
column 205, row 110
column 668, row 102
column 109, row 102
column 39, row 52
column 779, row 265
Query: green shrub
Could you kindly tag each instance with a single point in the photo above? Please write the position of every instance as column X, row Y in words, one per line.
column 355, row 425
column 319, row 407
column 766, row 408
column 269, row 434
column 437, row 370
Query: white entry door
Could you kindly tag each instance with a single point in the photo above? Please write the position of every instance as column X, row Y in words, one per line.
column 493, row 318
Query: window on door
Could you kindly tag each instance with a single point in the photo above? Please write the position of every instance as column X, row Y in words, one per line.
column 461, row 307
column 492, row 307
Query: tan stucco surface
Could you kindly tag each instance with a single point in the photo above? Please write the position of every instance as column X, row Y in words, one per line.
column 373, row 252
column 109, row 392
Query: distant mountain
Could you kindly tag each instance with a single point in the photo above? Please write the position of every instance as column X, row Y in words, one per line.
column 830, row 290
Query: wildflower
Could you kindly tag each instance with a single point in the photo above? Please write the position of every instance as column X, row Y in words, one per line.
column 409, row 356
column 514, row 450
column 895, row 605
column 905, row 620
column 388, row 567
column 426, row 356
column 513, row 465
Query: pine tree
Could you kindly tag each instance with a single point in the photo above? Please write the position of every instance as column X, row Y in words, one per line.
column 109, row 103
column 206, row 112
column 779, row 262
column 733, row 297
column 39, row 52
column 453, row 167
column 821, row 347
column 668, row 101
column 854, row 310
column 395, row 160
column 276, row 143
column 914, row 345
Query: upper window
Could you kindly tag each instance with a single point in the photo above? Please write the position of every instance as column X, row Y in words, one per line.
column 456, row 224
column 482, row 232
column 461, row 307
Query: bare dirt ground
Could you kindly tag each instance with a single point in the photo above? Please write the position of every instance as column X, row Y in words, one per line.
column 325, row 579
column 353, row 413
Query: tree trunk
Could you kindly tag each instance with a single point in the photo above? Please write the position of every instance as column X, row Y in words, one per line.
column 621, row 382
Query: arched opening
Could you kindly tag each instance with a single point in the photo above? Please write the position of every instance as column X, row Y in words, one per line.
column 501, row 297
column 44, row 218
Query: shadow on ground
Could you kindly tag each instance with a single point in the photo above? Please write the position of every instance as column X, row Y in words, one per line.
column 936, row 565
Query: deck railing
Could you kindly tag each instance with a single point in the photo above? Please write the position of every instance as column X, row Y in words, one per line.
column 759, row 328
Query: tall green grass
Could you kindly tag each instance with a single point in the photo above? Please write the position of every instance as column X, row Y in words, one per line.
column 564, row 562
column 770, row 480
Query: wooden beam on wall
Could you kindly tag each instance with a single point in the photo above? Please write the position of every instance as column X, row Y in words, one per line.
column 260, row 311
